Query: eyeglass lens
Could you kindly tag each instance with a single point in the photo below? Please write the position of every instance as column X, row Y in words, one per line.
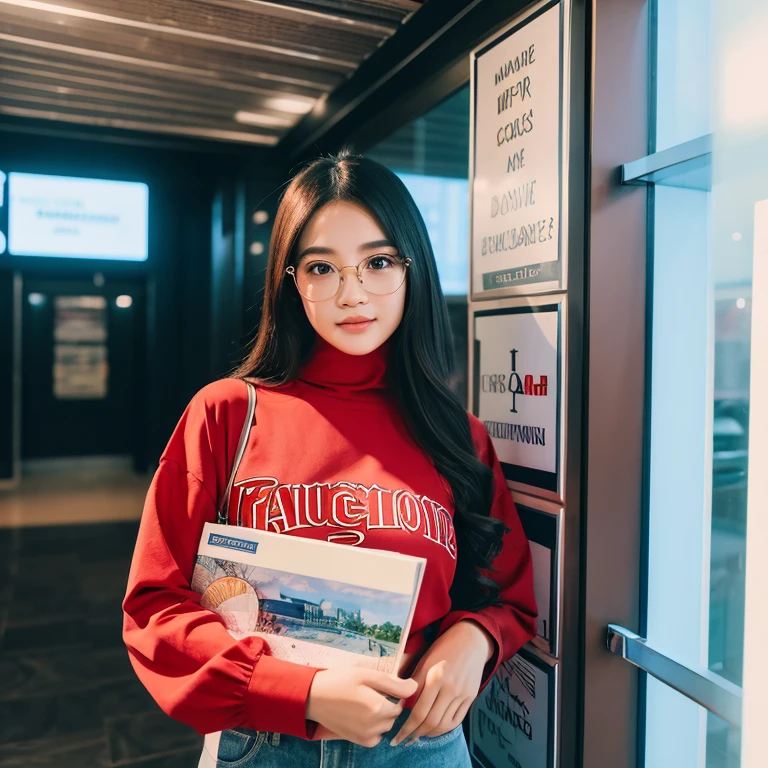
column 319, row 280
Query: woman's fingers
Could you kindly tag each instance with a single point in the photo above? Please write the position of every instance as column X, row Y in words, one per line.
column 433, row 717
column 450, row 719
column 387, row 684
column 418, row 713
column 446, row 723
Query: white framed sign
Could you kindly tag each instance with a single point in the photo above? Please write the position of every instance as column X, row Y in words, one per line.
column 543, row 525
column 513, row 722
column 517, row 381
column 518, row 156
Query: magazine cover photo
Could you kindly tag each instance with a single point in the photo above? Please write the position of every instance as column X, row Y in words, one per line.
column 308, row 619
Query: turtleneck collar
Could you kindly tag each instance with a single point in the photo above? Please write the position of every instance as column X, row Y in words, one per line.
column 336, row 371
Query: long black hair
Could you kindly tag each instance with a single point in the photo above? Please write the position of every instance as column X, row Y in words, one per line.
column 422, row 349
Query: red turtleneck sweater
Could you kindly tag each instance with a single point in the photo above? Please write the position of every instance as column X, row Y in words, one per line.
column 337, row 429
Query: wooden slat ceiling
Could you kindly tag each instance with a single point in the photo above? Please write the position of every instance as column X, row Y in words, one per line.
column 228, row 70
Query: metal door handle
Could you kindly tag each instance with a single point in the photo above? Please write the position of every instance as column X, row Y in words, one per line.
column 711, row 691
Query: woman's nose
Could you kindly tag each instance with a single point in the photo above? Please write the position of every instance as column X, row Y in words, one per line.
column 351, row 290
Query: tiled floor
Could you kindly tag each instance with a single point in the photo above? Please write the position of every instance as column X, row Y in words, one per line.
column 68, row 695
column 65, row 491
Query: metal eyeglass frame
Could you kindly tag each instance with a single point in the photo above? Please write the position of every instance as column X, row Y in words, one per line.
column 406, row 263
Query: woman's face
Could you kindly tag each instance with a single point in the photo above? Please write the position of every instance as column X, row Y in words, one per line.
column 356, row 322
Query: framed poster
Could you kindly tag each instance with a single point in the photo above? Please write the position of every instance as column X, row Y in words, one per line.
column 543, row 526
column 80, row 371
column 518, row 156
column 517, row 382
column 80, row 364
column 514, row 720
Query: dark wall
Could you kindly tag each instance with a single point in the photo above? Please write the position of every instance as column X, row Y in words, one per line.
column 6, row 375
column 190, row 316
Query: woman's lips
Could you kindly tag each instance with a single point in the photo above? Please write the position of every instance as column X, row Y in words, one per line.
column 354, row 325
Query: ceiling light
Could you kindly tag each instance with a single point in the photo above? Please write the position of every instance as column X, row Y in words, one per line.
column 296, row 106
column 265, row 121
column 741, row 303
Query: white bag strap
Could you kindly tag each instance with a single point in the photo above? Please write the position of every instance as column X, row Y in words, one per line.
column 222, row 516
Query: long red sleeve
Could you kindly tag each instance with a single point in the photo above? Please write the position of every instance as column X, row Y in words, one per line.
column 513, row 623
column 181, row 652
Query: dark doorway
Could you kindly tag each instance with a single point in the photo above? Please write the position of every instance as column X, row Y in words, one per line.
column 83, row 372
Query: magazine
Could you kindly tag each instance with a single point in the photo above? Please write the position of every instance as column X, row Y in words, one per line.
column 314, row 602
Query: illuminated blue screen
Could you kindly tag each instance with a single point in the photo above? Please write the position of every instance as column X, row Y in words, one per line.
column 78, row 218
column 444, row 206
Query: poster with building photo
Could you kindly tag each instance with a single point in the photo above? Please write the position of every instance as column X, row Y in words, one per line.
column 513, row 721
column 516, row 374
column 516, row 158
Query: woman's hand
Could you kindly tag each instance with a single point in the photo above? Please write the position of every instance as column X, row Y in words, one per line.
column 449, row 676
column 351, row 703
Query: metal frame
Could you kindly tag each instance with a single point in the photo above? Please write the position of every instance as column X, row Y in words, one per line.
column 516, row 305
column 524, row 18
column 615, row 328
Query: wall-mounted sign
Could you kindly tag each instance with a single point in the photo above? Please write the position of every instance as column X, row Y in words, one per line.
column 516, row 159
column 513, row 721
column 516, row 388
column 82, row 218
column 80, row 318
column 542, row 523
column 80, row 364
column 80, row 371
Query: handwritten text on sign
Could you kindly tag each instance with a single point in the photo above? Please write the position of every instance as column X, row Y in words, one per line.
column 516, row 188
column 510, row 719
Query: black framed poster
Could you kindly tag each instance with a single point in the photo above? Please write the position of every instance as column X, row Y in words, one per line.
column 517, row 375
column 543, row 529
column 513, row 722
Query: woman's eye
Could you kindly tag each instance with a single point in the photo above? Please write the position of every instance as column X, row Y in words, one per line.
column 319, row 269
column 380, row 262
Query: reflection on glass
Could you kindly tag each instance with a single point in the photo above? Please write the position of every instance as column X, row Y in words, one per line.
column 729, row 480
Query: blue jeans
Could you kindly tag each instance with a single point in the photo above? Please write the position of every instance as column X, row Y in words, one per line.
column 241, row 748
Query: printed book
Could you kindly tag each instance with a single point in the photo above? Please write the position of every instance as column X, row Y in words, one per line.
column 313, row 602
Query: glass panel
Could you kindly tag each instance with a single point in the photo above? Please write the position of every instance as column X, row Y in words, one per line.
column 701, row 293
column 431, row 156
column 718, row 747
column 683, row 71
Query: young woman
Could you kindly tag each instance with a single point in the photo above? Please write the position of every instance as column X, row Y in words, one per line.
column 351, row 359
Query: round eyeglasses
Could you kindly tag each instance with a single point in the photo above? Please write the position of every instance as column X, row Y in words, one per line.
column 319, row 280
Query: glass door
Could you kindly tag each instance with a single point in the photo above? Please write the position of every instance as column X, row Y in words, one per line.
column 708, row 212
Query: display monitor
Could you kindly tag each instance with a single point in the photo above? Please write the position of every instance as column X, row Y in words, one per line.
column 78, row 218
